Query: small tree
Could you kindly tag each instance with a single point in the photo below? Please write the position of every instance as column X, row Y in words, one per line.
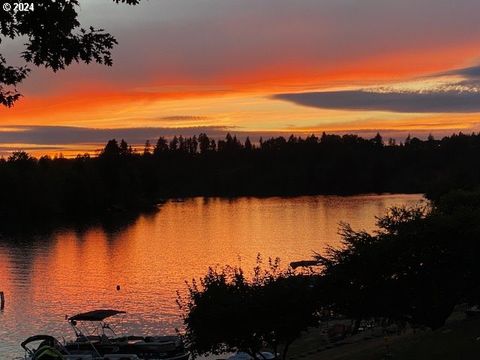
column 161, row 146
column 147, row 149
column 111, row 150
column 204, row 143
column 229, row 312
column 248, row 144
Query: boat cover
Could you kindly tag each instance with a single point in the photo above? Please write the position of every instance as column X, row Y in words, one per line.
column 95, row 315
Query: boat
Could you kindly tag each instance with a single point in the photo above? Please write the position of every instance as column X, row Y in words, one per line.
column 262, row 355
column 103, row 343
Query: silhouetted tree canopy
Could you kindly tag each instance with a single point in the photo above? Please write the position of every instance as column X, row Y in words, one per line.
column 228, row 311
column 54, row 38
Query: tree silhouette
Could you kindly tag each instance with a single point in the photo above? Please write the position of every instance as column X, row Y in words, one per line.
column 147, row 149
column 111, row 150
column 173, row 146
column 204, row 143
column 54, row 39
column 227, row 311
column 417, row 267
column 248, row 144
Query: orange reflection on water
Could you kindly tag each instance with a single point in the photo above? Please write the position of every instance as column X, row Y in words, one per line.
column 70, row 271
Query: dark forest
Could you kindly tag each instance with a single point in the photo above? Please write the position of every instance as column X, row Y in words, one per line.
column 121, row 179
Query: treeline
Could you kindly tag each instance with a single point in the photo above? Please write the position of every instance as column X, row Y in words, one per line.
column 121, row 179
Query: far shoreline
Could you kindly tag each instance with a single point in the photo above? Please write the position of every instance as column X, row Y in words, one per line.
column 121, row 216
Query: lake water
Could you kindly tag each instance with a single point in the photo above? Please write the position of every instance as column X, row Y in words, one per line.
column 46, row 277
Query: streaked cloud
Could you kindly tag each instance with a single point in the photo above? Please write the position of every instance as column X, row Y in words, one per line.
column 54, row 135
column 177, row 118
column 471, row 72
column 434, row 95
column 407, row 102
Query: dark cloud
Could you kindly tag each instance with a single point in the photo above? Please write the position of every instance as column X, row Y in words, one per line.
column 53, row 135
column 403, row 102
column 472, row 72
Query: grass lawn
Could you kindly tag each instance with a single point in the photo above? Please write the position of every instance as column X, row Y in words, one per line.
column 457, row 340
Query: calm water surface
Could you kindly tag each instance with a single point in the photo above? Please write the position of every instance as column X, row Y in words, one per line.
column 46, row 277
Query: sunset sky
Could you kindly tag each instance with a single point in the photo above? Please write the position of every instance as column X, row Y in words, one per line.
column 258, row 68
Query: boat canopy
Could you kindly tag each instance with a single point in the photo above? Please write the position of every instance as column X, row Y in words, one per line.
column 95, row 315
